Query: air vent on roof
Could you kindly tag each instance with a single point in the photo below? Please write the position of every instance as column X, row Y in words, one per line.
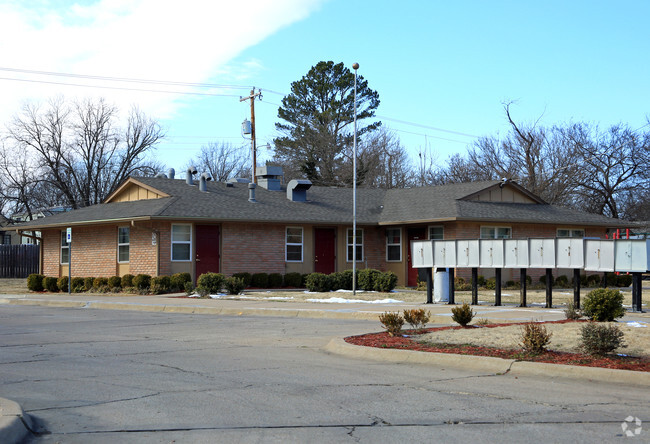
column 238, row 180
column 251, row 192
column 188, row 177
column 171, row 173
column 297, row 190
column 270, row 177
column 203, row 182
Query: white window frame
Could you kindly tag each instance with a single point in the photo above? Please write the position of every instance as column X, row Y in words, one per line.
column 435, row 226
column 64, row 246
column 496, row 230
column 287, row 244
column 123, row 244
column 571, row 231
column 392, row 244
column 348, row 236
column 173, row 242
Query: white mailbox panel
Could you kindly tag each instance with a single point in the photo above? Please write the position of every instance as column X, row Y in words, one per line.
column 632, row 255
column 569, row 253
column 491, row 253
column 421, row 254
column 516, row 253
column 467, row 253
column 599, row 255
column 542, row 253
column 444, row 253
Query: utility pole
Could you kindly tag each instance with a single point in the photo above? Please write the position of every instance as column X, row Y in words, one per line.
column 251, row 97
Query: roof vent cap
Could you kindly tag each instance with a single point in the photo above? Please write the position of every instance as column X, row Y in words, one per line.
column 188, row 177
column 297, row 190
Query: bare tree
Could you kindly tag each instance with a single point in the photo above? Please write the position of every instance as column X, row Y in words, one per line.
column 614, row 174
column 223, row 161
column 80, row 151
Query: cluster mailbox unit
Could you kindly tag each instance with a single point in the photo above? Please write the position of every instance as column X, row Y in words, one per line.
column 598, row 255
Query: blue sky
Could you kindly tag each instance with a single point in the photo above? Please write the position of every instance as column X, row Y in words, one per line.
column 436, row 65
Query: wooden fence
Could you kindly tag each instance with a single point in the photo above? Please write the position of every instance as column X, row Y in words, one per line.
column 18, row 261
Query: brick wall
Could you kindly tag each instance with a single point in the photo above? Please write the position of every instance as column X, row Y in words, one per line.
column 50, row 242
column 251, row 247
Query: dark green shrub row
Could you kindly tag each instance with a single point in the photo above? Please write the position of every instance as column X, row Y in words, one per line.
column 368, row 279
column 141, row 282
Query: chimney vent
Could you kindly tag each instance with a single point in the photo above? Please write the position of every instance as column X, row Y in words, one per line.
column 297, row 190
column 203, row 182
column 188, row 177
column 171, row 173
column 270, row 177
column 251, row 192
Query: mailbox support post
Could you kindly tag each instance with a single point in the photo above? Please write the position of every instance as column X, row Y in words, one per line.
column 452, row 288
column 522, row 287
column 636, row 292
column 497, row 288
column 429, row 285
column 549, row 288
column 474, row 286
column 576, row 288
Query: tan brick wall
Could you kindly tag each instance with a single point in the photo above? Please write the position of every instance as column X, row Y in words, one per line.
column 50, row 243
column 252, row 248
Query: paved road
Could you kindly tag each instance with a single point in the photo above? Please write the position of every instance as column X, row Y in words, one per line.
column 121, row 376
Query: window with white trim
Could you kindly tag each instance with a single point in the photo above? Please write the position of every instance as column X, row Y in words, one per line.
column 293, row 244
column 181, row 242
column 123, row 242
column 436, row 232
column 496, row 233
column 65, row 249
column 359, row 245
column 393, row 245
column 570, row 232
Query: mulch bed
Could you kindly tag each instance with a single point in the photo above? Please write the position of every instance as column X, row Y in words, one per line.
column 407, row 342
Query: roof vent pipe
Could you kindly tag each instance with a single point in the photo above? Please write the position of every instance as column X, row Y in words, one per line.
column 251, row 192
column 170, row 173
column 161, row 175
column 203, row 182
column 188, row 177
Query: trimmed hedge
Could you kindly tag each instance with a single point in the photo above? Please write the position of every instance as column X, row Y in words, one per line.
column 234, row 285
column 366, row 278
column 77, row 284
column 35, row 282
column 50, row 284
column 62, row 283
column 245, row 276
column 178, row 280
column 260, row 280
column 373, row 280
column 318, row 282
column 142, row 281
column 211, row 282
column 275, row 280
column 290, row 279
column 115, row 282
column 127, row 281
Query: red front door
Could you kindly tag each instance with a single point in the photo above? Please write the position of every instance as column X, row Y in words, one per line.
column 414, row 234
column 325, row 250
column 207, row 249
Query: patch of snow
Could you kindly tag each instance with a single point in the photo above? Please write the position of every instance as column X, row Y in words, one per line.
column 355, row 301
column 639, row 324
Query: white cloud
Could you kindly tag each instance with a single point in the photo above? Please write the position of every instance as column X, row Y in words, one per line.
column 190, row 41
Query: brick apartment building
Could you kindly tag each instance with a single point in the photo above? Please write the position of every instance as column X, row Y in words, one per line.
column 160, row 226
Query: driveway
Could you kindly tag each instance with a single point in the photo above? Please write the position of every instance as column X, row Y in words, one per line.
column 123, row 376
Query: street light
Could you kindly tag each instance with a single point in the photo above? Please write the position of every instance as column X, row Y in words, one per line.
column 355, row 66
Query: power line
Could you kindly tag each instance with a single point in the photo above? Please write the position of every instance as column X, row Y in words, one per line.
column 404, row 122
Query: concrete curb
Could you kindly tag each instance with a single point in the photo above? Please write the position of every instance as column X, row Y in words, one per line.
column 14, row 424
column 488, row 364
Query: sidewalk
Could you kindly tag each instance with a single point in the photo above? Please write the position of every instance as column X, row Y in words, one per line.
column 440, row 312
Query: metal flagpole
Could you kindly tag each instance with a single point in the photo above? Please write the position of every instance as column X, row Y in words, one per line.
column 355, row 66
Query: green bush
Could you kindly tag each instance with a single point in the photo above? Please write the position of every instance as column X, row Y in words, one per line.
column 88, row 283
column 366, row 278
column 336, row 281
column 115, row 282
column 127, row 281
column 260, row 280
column 583, row 280
column 459, row 282
column 562, row 282
column 62, row 283
column 598, row 339
column 535, row 338
column 392, row 322
column 624, row 280
column 77, row 284
column 491, row 283
column 189, row 288
column 246, row 277
column 161, row 284
column 529, row 280
column 50, row 284
column 142, row 281
column 318, row 282
column 275, row 280
column 463, row 314
column 35, row 282
column 593, row 280
column 603, row 305
column 480, row 280
column 290, row 280
column 385, row 282
column 178, row 280
column 234, row 285
column 417, row 317
column 100, row 282
column 211, row 282
column 542, row 279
